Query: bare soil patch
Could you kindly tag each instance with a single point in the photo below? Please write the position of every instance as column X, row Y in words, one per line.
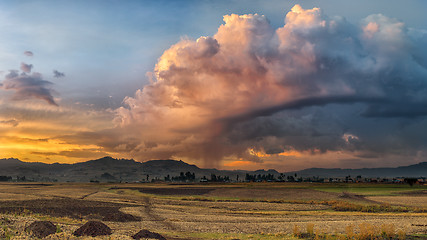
column 147, row 234
column 356, row 197
column 120, row 217
column 34, row 184
column 173, row 191
column 74, row 208
column 93, row 229
column 418, row 201
column 273, row 193
column 414, row 193
column 41, row 229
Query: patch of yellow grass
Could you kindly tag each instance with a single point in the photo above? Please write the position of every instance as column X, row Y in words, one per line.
column 296, row 231
column 310, row 229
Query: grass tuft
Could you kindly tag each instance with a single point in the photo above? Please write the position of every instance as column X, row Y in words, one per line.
column 310, row 229
column 296, row 231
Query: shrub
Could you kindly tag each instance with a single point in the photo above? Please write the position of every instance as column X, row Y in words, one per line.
column 367, row 231
column 388, row 230
column 349, row 231
column 401, row 234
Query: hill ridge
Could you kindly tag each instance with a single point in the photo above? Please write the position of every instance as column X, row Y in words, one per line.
column 131, row 170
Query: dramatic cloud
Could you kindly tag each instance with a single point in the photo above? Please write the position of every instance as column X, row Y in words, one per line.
column 28, row 86
column 26, row 67
column 28, row 53
column 318, row 84
column 58, row 74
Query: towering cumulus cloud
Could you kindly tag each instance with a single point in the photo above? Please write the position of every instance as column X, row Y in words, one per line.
column 315, row 85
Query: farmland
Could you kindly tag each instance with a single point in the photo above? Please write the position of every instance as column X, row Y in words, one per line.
column 217, row 211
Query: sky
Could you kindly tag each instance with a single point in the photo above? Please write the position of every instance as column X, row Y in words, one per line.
column 247, row 84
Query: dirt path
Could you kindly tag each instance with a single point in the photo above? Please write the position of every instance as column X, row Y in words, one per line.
column 352, row 196
column 87, row 195
column 148, row 210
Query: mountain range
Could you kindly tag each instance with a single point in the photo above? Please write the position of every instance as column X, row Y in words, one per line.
column 108, row 169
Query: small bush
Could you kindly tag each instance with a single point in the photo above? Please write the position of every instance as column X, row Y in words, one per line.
column 367, row 231
column 388, row 230
column 349, row 231
column 401, row 235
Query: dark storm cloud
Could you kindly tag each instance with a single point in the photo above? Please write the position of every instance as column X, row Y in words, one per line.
column 397, row 110
column 299, row 104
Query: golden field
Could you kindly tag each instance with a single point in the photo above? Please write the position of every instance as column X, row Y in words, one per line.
column 219, row 211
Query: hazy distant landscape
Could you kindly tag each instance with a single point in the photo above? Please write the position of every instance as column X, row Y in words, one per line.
column 108, row 169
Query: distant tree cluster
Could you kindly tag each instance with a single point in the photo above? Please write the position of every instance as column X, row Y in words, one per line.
column 215, row 178
column 5, row 178
column 21, row 179
column 410, row 181
column 260, row 178
column 183, row 177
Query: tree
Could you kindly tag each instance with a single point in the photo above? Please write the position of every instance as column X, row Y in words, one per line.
column 411, row 181
column 20, row 179
column 5, row 178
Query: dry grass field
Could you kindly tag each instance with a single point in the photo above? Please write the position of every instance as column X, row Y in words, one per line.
column 218, row 211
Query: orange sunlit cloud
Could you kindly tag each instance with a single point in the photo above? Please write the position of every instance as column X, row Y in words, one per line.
column 240, row 163
column 262, row 154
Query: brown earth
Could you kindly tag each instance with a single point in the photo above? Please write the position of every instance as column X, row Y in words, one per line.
column 415, row 193
column 147, row 234
column 93, row 229
column 273, row 193
column 41, row 229
column 120, row 217
column 357, row 197
column 74, row 208
column 173, row 191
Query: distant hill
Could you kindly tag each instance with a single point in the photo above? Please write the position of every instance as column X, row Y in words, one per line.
column 416, row 170
column 109, row 169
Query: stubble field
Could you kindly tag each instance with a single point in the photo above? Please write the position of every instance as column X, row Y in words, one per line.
column 218, row 211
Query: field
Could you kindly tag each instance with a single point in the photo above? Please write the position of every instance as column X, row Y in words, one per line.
column 219, row 211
